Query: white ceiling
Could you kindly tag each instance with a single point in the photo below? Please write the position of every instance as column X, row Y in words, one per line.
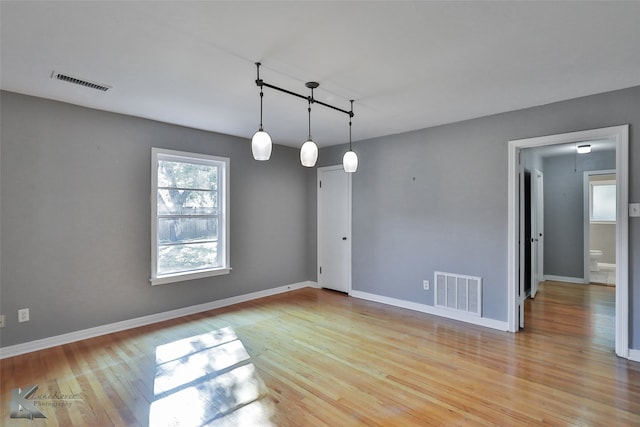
column 407, row 64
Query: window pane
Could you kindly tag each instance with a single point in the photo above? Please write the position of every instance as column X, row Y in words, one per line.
column 187, row 202
column 185, row 230
column 187, row 175
column 181, row 258
column 604, row 203
column 188, row 217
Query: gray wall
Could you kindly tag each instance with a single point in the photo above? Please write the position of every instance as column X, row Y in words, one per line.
column 532, row 159
column 564, row 210
column 436, row 199
column 57, row 159
column 76, row 218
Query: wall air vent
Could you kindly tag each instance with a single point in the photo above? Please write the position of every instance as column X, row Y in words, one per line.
column 458, row 292
column 81, row 82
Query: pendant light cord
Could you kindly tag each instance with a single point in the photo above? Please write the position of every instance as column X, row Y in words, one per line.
column 261, row 96
column 310, row 114
column 260, row 83
column 350, row 125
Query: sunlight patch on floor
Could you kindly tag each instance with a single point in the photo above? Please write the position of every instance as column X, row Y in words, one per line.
column 208, row 380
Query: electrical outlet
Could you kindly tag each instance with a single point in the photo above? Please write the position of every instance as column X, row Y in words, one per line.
column 23, row 315
column 425, row 285
column 1, row 320
column 634, row 209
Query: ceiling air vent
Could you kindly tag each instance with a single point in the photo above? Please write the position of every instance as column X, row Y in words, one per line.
column 81, row 82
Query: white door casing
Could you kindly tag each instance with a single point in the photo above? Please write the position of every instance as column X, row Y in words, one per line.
column 620, row 135
column 334, row 228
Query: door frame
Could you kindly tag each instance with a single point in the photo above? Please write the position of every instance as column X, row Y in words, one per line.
column 586, row 216
column 349, row 221
column 620, row 135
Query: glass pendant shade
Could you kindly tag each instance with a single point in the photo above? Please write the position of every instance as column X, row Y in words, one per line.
column 309, row 154
column 350, row 161
column 261, row 145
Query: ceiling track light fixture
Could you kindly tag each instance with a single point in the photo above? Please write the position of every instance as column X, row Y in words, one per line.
column 309, row 150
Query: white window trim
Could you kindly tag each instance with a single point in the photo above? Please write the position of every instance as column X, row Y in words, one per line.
column 224, row 208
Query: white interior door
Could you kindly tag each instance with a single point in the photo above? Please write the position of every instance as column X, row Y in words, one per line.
column 334, row 228
column 537, row 231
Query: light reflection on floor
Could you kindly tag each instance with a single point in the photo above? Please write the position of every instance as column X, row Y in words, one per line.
column 208, row 380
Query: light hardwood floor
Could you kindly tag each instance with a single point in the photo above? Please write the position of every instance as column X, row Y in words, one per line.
column 314, row 357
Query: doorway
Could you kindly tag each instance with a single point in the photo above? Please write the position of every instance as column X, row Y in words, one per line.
column 531, row 219
column 599, row 226
column 334, row 228
column 620, row 136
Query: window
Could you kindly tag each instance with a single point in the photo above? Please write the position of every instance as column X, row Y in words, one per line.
column 603, row 201
column 189, row 216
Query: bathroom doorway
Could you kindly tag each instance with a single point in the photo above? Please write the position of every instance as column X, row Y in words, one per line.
column 599, row 200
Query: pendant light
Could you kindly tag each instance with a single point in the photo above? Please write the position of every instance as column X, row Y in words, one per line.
column 261, row 141
column 309, row 150
column 350, row 158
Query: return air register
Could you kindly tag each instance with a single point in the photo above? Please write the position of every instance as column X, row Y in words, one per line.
column 458, row 292
column 79, row 81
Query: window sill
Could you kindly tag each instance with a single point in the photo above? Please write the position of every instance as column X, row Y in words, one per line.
column 181, row 277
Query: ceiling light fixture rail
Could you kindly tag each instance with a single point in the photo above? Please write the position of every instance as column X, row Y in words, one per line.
column 261, row 142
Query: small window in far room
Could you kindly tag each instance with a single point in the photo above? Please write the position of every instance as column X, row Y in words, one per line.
column 189, row 216
column 603, row 201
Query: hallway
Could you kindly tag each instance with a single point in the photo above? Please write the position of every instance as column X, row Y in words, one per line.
column 584, row 314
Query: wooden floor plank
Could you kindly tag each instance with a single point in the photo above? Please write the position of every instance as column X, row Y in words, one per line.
column 316, row 357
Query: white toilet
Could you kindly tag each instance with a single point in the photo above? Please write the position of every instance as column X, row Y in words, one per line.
column 594, row 256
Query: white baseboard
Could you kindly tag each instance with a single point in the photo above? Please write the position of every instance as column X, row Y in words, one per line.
column 41, row 344
column 634, row 355
column 564, row 279
column 423, row 308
